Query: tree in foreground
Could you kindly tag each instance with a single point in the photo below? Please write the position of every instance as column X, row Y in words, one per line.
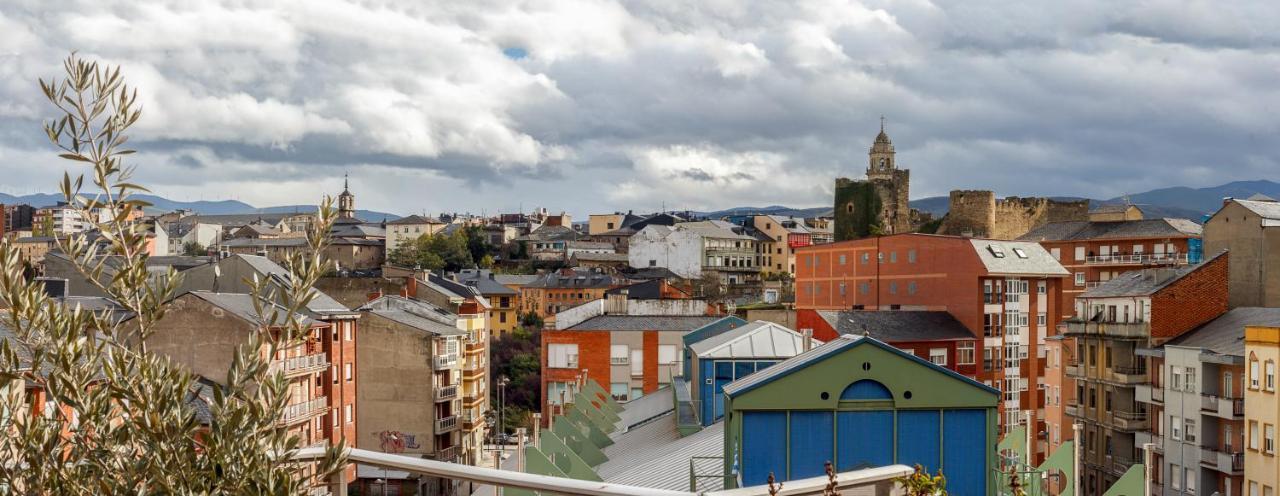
column 114, row 418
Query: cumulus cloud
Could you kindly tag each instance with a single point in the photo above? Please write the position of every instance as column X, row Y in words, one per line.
column 589, row 105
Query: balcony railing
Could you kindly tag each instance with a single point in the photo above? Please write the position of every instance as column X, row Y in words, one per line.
column 300, row 365
column 1118, row 465
column 1124, row 330
column 298, row 412
column 1147, row 393
column 445, row 361
column 1074, row 368
column 1143, row 437
column 1137, row 258
column 1072, row 410
column 1130, row 421
column 1128, row 375
column 447, row 454
column 1222, row 407
column 446, row 393
column 446, row 424
column 619, row 360
column 1222, row 461
column 470, row 417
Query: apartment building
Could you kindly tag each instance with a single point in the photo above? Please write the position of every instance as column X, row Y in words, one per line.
column 18, row 218
column 934, row 335
column 549, row 243
column 411, row 359
column 1112, row 243
column 1250, row 230
column 692, row 249
column 633, row 346
column 784, row 234
column 202, row 329
column 1262, row 410
column 409, row 229
column 59, row 220
column 566, row 288
column 504, row 302
column 1196, row 403
column 1006, row 292
column 1113, row 321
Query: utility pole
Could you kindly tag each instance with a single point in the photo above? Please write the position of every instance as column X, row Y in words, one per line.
column 1030, row 416
column 1076, row 439
column 1148, row 456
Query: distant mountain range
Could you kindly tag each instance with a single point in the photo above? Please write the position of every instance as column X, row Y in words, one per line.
column 161, row 204
column 1178, row 202
column 1181, row 202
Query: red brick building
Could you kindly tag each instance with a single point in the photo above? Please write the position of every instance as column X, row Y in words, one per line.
column 1097, row 251
column 1006, row 292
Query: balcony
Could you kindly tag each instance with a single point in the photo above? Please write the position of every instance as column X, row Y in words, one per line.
column 1127, row 375
column 446, row 424
column 1225, row 462
column 1118, row 465
column 1130, row 421
column 445, row 361
column 1074, row 369
column 470, row 417
column 1143, row 437
column 449, row 454
column 1137, row 259
column 306, row 410
column 446, row 393
column 1227, row 408
column 1071, row 410
column 1147, row 393
column 301, row 365
column 1114, row 330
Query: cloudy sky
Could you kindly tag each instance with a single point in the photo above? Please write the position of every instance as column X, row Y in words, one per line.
column 597, row 105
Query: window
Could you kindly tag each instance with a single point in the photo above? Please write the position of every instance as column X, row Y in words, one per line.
column 1079, row 278
column 347, row 413
column 842, row 260
column 996, row 251
column 1271, row 375
column 347, row 372
column 619, row 390
column 866, row 257
column 938, row 356
column 1020, row 252
column 893, row 257
column 1253, row 488
column 1042, row 320
column 965, row 353
column 502, row 317
column 1042, row 287
column 1175, row 378
column 1176, row 423
column 843, row 289
column 1253, row 435
column 1056, row 253
column 1175, row 476
column 911, row 256
column 667, row 354
column 562, row 356
column 1190, row 434
column 864, row 287
column 1191, row 480
column 1269, row 439
column 1079, row 253
column 911, row 287
column 636, row 393
column 893, row 287
column 555, row 390
column 346, row 333
column 1253, row 374
column 619, row 355
column 333, row 372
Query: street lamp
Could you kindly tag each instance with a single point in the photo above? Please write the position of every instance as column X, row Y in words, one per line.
column 502, row 406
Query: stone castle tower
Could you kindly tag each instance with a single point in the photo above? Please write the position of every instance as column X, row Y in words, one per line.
column 346, row 201
column 880, row 203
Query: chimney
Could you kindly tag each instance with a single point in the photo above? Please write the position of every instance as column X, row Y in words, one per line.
column 616, row 303
column 1226, row 200
column 375, row 295
column 1163, row 275
column 808, row 339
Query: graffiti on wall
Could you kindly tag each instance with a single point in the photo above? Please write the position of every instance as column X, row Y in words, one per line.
column 397, row 442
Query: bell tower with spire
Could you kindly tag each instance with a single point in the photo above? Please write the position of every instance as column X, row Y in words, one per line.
column 880, row 163
column 346, row 201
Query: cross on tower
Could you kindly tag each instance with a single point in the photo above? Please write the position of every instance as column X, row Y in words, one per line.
column 882, row 122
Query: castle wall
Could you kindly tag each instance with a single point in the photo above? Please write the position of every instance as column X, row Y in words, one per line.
column 980, row 214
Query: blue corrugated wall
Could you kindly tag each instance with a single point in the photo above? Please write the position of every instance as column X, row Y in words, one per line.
column 964, row 457
column 764, row 446
column 866, row 440
column 812, row 442
column 918, row 439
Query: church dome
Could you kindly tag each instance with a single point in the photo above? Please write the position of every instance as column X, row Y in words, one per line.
column 883, row 138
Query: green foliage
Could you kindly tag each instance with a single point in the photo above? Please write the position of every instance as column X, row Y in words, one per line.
column 121, row 423
column 931, row 227
column 864, row 221
column 920, row 483
column 447, row 252
column 192, row 249
column 515, row 356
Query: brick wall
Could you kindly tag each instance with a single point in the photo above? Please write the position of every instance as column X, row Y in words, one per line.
column 593, row 355
column 1194, row 299
column 650, row 382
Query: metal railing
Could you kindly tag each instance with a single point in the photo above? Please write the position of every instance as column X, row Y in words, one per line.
column 446, row 424
column 1132, row 330
column 446, row 393
column 445, row 361
column 1222, row 407
column 1128, row 375
column 619, row 360
column 448, row 454
column 879, row 480
column 300, row 411
column 300, row 365
column 1129, row 420
column 1136, row 258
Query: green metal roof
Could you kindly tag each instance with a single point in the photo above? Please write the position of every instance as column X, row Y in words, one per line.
column 1015, row 441
column 1129, row 484
column 1062, row 460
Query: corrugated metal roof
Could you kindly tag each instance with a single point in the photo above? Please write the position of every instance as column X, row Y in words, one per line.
column 655, row 456
column 758, row 339
column 1016, row 257
column 646, row 408
column 896, row 326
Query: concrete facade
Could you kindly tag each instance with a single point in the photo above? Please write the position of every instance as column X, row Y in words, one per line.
column 1262, row 410
column 1250, row 231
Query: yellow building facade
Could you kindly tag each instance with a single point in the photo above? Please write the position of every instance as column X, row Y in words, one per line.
column 1261, row 411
